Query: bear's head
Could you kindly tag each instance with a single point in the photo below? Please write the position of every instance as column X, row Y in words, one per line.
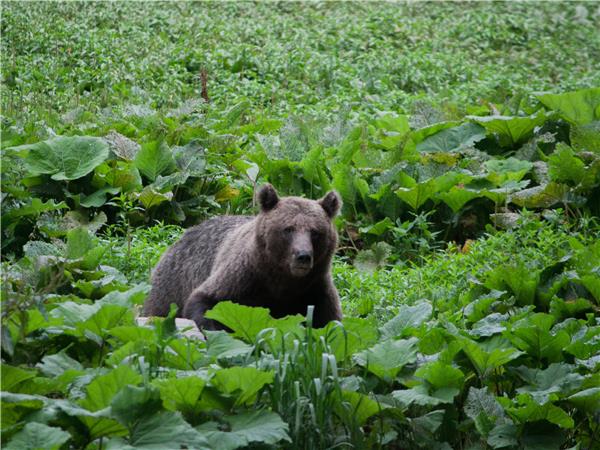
column 296, row 235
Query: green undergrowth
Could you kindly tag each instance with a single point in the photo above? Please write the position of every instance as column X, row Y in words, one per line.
column 464, row 140
column 136, row 253
column 494, row 345
column 317, row 58
column 443, row 277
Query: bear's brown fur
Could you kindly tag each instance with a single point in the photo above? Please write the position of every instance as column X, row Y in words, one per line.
column 279, row 259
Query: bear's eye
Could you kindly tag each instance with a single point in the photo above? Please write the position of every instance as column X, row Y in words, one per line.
column 316, row 234
column 288, row 230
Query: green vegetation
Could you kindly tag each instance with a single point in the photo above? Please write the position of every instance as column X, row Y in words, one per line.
column 465, row 142
column 319, row 58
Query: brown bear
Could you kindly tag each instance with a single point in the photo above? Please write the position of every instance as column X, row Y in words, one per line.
column 279, row 259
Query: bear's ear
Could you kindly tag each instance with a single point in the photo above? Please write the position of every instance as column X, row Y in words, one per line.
column 331, row 203
column 267, row 198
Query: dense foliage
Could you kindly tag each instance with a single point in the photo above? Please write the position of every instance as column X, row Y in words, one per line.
column 465, row 142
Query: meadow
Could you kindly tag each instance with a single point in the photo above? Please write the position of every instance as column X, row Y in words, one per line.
column 464, row 140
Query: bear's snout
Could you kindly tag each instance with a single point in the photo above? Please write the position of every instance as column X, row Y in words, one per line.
column 304, row 257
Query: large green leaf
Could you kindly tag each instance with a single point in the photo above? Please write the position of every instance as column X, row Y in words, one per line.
column 122, row 146
column 483, row 409
column 37, row 436
column 505, row 170
column 246, row 428
column 440, row 375
column 417, row 395
column 103, row 388
column 98, row 198
column 13, row 376
column 533, row 335
column 512, row 129
column 233, row 115
column 118, row 174
column 392, row 129
column 516, row 279
column 557, row 380
column 221, row 345
column 503, row 435
column 499, row 195
column 356, row 407
column 190, row 159
column 99, row 324
column 348, row 337
column 246, row 322
column 453, row 139
column 79, row 242
column 592, row 284
column 73, row 313
column 586, row 344
column 154, row 159
column 15, row 406
column 545, row 196
column 133, row 403
column 65, row 158
column 378, row 228
column 528, row 410
column 33, row 208
column 565, row 167
column 160, row 431
column 587, row 400
column 57, row 364
column 345, row 181
column 578, row 107
column 417, row 193
column 149, row 197
column 457, row 197
column 243, row 382
column 406, row 318
column 99, row 395
column 181, row 394
column 485, row 360
column 387, row 358
column 421, row 134
column 586, row 138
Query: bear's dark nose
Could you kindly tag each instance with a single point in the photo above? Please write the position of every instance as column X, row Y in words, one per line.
column 304, row 257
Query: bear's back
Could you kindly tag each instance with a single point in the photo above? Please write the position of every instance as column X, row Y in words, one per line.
column 186, row 264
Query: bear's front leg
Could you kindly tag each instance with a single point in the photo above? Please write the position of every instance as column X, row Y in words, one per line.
column 196, row 306
column 327, row 304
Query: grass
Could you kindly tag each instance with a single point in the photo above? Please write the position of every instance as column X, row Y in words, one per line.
column 136, row 253
column 63, row 61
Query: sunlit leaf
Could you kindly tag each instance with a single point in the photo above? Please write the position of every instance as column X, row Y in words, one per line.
column 246, row 322
column 154, row 159
column 387, row 358
column 65, row 158
column 357, row 408
column 407, row 317
column 578, row 107
column 243, row 382
column 36, row 436
column 512, row 129
column 246, row 428
column 453, row 139
column 181, row 394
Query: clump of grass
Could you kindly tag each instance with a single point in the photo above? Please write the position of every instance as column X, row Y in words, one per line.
column 137, row 254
